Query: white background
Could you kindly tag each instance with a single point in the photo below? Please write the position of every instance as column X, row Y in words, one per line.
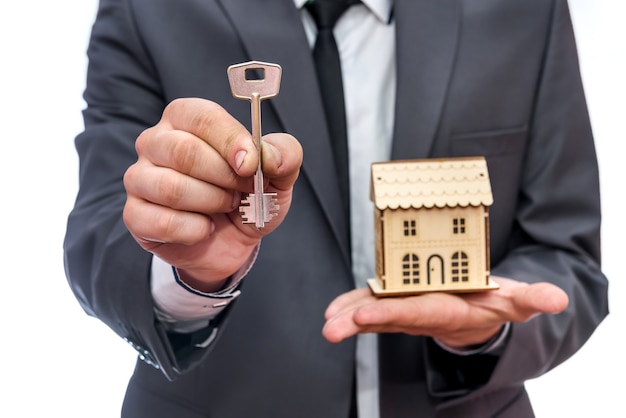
column 56, row 361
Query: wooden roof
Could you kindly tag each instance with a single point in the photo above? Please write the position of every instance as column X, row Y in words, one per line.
column 431, row 183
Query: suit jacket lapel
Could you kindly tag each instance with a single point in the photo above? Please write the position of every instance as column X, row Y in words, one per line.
column 272, row 31
column 427, row 36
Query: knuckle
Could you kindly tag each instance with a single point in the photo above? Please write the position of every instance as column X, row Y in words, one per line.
column 208, row 118
column 130, row 179
column 142, row 140
column 171, row 190
column 132, row 216
column 184, row 154
column 173, row 107
column 167, row 225
column 218, row 127
column 127, row 214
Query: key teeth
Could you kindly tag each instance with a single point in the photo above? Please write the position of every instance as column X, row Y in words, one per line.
column 271, row 207
column 247, row 209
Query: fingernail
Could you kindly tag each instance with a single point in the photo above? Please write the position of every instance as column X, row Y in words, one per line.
column 239, row 157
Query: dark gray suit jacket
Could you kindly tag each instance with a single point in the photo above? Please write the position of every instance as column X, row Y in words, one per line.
column 497, row 78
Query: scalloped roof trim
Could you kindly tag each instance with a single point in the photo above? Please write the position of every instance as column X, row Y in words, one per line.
column 456, row 182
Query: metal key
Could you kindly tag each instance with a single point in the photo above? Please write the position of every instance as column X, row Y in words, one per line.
column 255, row 81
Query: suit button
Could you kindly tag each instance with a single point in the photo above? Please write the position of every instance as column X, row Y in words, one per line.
column 144, row 355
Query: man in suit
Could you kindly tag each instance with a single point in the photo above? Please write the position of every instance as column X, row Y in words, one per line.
column 231, row 321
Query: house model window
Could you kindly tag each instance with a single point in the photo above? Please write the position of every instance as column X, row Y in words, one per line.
column 458, row 225
column 431, row 226
column 409, row 228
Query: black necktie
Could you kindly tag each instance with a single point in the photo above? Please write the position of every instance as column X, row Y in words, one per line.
column 328, row 68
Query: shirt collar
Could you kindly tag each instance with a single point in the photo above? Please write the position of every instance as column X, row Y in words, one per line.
column 380, row 8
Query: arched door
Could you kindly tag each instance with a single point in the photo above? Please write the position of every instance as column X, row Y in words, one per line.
column 435, row 269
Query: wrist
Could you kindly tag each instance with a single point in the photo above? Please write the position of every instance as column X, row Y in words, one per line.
column 492, row 345
column 215, row 276
column 201, row 284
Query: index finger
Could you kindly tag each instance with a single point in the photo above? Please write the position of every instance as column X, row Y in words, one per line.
column 213, row 124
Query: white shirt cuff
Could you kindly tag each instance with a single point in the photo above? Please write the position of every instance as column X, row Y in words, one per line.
column 177, row 301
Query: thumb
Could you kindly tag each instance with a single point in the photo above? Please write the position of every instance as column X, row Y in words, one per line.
column 282, row 158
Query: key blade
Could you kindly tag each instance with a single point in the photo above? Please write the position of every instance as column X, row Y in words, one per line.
column 254, row 77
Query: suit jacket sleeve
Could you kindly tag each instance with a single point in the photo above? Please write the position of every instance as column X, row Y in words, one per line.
column 555, row 235
column 107, row 270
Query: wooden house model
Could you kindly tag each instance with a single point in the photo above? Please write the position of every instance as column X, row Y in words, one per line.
column 431, row 226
